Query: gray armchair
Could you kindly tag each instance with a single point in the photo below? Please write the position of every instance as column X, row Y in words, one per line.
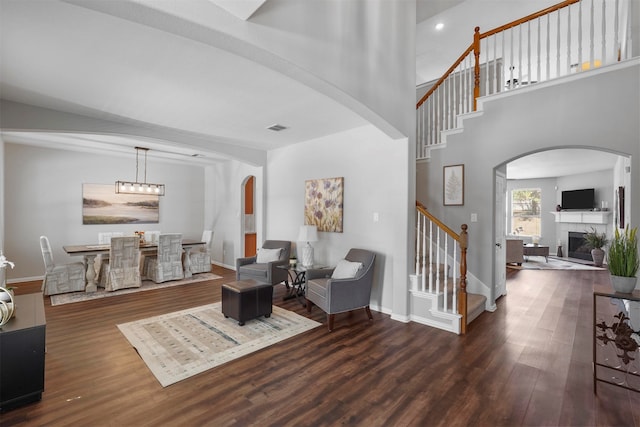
column 267, row 272
column 340, row 295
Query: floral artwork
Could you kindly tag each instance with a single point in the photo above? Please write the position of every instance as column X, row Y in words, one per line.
column 323, row 203
column 453, row 185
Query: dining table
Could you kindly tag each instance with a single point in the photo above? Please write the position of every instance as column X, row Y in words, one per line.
column 90, row 251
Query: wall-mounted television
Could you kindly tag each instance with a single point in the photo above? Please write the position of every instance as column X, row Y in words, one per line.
column 579, row 199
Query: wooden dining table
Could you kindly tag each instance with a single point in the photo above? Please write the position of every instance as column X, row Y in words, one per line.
column 90, row 251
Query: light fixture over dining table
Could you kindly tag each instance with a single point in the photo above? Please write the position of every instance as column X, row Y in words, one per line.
column 136, row 187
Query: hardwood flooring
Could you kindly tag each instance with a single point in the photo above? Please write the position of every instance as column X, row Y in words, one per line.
column 527, row 363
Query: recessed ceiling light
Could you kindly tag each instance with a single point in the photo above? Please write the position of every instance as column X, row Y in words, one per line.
column 277, row 127
column 439, row 26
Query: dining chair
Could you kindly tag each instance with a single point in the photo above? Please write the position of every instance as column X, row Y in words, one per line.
column 122, row 269
column 167, row 263
column 60, row 278
column 200, row 257
column 104, row 238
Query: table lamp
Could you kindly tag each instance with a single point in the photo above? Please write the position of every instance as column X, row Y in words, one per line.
column 308, row 233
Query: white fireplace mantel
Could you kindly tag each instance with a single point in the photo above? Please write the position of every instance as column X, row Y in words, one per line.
column 583, row 217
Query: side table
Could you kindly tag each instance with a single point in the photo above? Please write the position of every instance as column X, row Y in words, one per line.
column 616, row 338
column 298, row 281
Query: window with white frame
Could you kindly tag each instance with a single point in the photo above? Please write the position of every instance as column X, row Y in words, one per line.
column 525, row 211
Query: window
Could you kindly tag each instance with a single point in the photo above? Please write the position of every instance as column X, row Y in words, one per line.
column 525, row 211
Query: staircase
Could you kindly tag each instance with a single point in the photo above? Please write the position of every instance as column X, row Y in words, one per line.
column 438, row 289
column 573, row 36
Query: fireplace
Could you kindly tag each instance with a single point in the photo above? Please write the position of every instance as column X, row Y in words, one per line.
column 578, row 247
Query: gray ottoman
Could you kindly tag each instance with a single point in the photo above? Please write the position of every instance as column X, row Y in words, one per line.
column 246, row 299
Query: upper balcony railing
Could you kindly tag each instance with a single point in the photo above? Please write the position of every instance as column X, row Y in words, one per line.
column 570, row 37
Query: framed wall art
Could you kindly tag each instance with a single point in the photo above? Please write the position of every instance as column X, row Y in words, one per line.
column 453, row 185
column 101, row 205
column 323, row 203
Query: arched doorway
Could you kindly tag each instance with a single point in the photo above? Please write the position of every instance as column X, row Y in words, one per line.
column 249, row 228
column 552, row 172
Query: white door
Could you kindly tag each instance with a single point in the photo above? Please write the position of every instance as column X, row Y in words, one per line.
column 500, row 257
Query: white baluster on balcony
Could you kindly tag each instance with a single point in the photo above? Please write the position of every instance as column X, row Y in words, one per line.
column 539, row 53
column 558, row 47
column 616, row 30
column 548, row 46
column 604, row 34
column 568, row 40
column 591, row 34
column 579, row 34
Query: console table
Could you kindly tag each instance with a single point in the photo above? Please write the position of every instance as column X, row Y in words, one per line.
column 22, row 347
column 616, row 354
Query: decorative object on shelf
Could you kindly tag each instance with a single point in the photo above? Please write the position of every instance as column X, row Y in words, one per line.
column 623, row 260
column 7, row 306
column 137, row 187
column 323, row 203
column 620, row 334
column 308, row 233
column 596, row 241
column 140, row 235
column 453, row 185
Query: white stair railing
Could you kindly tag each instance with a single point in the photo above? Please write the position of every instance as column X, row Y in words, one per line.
column 441, row 263
column 571, row 37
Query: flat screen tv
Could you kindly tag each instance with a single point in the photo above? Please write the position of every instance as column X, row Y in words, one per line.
column 578, row 199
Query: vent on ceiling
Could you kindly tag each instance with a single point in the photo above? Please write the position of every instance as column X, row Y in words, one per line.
column 276, row 127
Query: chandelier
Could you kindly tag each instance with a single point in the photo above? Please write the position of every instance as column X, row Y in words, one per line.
column 131, row 187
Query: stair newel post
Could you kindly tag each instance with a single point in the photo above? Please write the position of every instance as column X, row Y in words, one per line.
column 476, row 67
column 462, row 290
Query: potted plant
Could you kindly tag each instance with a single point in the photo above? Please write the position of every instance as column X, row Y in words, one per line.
column 623, row 260
column 596, row 241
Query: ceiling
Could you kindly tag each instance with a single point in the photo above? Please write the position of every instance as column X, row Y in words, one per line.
column 117, row 65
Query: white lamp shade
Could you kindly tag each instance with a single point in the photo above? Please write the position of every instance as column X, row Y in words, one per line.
column 308, row 233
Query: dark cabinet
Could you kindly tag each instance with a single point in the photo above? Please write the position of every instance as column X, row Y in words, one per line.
column 22, row 347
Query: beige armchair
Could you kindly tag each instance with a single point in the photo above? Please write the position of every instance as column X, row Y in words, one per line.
column 264, row 267
column 167, row 264
column 333, row 292
column 60, row 278
column 515, row 251
column 122, row 269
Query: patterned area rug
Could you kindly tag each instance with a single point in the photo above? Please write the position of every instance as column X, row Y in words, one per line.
column 178, row 345
column 538, row 263
column 147, row 285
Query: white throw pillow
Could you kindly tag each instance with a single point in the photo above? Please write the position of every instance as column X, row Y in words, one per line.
column 268, row 255
column 346, row 269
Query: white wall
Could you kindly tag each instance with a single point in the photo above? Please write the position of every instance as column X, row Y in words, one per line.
column 374, row 171
column 225, row 184
column 43, row 196
column 598, row 110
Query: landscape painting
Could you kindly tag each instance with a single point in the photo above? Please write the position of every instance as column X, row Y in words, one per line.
column 101, row 205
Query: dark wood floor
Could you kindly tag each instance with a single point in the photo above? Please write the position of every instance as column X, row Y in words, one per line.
column 528, row 363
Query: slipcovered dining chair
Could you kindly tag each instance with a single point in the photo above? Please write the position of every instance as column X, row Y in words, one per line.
column 263, row 267
column 167, row 264
column 122, row 269
column 104, row 238
column 200, row 257
column 344, row 288
column 60, row 278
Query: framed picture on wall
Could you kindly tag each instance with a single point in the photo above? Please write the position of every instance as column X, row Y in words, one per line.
column 323, row 203
column 453, row 185
column 101, row 205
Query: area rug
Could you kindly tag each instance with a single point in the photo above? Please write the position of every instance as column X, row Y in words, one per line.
column 178, row 345
column 538, row 263
column 147, row 285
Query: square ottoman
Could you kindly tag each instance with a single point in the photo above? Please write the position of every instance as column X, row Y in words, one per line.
column 246, row 299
